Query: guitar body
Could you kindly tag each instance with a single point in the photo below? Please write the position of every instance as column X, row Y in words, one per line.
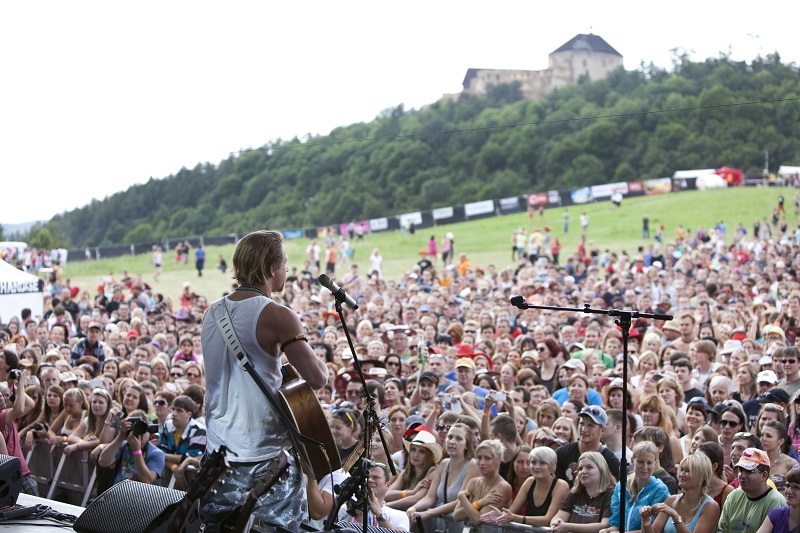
column 301, row 405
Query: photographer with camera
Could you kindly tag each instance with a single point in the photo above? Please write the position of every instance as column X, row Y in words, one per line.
column 9, row 413
column 131, row 453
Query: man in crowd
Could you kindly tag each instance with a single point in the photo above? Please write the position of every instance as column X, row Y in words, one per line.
column 133, row 455
column 89, row 345
column 745, row 510
column 592, row 423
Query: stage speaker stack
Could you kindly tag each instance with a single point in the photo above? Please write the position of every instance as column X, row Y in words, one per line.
column 10, row 480
column 130, row 507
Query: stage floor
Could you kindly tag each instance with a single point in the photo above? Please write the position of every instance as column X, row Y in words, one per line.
column 43, row 525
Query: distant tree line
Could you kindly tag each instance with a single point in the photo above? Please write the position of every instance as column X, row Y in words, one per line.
column 453, row 152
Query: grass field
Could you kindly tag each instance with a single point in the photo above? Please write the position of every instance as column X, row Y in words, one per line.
column 484, row 241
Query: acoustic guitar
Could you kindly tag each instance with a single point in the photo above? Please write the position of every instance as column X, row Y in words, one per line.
column 301, row 405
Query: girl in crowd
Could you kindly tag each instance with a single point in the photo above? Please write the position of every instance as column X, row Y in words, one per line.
column 648, row 361
column 694, row 507
column 578, row 388
column 696, row 417
column 75, row 409
column 549, row 351
column 786, row 518
column 111, row 367
column 345, row 429
column 411, row 485
column 487, row 492
column 591, row 493
column 770, row 411
column 133, row 399
column 565, row 429
column 194, row 373
column 547, row 413
column 672, row 394
column 161, row 407
column 393, row 364
column 773, row 440
column 746, row 382
column 53, row 405
column 393, row 393
column 704, row 434
column 655, row 413
column 160, row 370
column 450, row 478
column 641, row 489
column 718, row 487
column 571, row 409
column 397, row 416
column 520, row 470
column 538, row 498
column 94, row 430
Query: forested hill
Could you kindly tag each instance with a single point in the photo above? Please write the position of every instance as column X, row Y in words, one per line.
column 453, row 152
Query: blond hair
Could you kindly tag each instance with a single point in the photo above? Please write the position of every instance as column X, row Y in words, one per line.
column 254, row 255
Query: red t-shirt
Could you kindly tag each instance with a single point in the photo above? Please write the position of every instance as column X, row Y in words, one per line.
column 9, row 431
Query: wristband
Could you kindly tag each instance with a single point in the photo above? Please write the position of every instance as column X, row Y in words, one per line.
column 475, row 505
column 524, row 519
column 412, row 510
column 65, row 440
column 137, row 452
column 403, row 494
column 487, row 413
column 435, row 409
column 173, row 467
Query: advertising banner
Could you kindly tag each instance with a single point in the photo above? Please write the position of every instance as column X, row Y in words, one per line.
column 509, row 204
column 658, row 186
column 379, row 224
column 605, row 191
column 443, row 213
column 537, row 199
column 581, row 196
column 479, row 208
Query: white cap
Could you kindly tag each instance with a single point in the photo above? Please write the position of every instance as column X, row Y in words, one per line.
column 767, row 376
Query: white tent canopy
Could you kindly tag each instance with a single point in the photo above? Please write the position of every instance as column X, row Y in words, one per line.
column 787, row 170
column 18, row 290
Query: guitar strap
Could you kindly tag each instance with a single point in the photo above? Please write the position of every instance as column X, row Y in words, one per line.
column 237, row 352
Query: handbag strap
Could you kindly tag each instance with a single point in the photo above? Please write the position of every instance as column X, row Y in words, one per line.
column 228, row 333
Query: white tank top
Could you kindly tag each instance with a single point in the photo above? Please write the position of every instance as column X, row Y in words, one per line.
column 237, row 413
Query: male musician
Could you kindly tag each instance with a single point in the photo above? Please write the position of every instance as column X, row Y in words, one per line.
column 237, row 414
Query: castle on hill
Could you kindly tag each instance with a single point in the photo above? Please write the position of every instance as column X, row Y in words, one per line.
column 583, row 55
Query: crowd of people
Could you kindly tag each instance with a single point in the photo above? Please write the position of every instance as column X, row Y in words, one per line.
column 492, row 414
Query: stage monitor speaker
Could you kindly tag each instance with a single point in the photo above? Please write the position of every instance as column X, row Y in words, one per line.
column 10, row 480
column 129, row 507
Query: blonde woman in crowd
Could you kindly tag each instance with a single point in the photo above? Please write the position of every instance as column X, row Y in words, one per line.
column 540, row 496
column 489, row 490
column 591, row 495
column 693, row 507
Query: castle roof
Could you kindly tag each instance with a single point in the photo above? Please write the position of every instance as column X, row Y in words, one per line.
column 590, row 42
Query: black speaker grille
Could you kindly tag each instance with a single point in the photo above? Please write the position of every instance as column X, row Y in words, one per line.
column 128, row 507
column 10, row 480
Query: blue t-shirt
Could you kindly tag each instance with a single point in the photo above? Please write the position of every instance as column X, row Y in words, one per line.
column 561, row 396
column 153, row 458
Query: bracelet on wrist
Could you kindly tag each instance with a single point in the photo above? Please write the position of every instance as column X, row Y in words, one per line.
column 476, row 506
column 137, row 452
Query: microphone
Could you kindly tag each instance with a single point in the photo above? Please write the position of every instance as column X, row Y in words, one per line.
column 337, row 291
column 519, row 301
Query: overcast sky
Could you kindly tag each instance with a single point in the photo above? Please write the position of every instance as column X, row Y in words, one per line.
column 97, row 96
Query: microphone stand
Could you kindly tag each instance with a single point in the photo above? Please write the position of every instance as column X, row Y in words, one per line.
column 371, row 424
column 623, row 320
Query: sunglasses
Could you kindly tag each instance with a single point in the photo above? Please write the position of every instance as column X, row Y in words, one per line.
column 192, row 375
column 788, row 361
column 160, row 402
column 540, row 348
column 729, row 423
column 442, row 427
column 545, row 441
column 176, row 374
column 392, row 363
column 470, row 331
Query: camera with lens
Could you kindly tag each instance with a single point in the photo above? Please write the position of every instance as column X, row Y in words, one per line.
column 38, row 426
column 140, row 426
column 14, row 374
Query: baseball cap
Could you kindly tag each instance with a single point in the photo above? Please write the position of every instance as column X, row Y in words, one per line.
column 465, row 362
column 752, row 458
column 669, row 325
column 576, row 364
column 775, row 395
column 596, row 413
column 430, row 376
column 94, row 325
column 616, row 383
column 765, row 360
column 731, row 346
column 767, row 376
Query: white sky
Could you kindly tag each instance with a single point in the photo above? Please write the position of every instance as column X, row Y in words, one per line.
column 97, row 96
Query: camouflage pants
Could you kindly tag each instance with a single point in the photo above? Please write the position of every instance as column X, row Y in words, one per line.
column 285, row 504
